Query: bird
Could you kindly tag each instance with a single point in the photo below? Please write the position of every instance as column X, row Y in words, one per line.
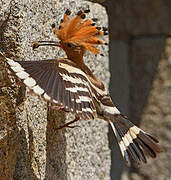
column 69, row 85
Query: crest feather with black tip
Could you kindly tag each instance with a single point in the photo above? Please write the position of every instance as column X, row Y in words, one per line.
column 80, row 31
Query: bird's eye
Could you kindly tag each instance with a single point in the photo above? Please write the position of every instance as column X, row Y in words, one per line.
column 69, row 45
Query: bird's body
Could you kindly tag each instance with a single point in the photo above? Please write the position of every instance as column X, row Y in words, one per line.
column 69, row 84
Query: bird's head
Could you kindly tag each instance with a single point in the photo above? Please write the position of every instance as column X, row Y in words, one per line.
column 78, row 34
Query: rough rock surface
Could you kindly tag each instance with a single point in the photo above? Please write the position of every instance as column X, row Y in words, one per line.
column 38, row 151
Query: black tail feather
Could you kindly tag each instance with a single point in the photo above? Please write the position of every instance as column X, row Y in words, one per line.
column 135, row 141
column 129, row 148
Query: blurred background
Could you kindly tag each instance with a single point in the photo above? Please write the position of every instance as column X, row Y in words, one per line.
column 140, row 67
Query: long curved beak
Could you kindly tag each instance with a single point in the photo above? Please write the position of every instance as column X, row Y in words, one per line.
column 37, row 44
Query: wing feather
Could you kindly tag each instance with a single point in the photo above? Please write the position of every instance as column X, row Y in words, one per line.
column 59, row 91
column 59, row 85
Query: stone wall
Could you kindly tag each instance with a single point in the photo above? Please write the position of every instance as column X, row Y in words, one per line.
column 140, row 83
column 30, row 147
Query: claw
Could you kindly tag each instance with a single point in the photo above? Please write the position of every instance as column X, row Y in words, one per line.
column 57, row 108
column 67, row 125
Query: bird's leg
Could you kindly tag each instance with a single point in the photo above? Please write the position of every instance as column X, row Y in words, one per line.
column 68, row 124
column 57, row 108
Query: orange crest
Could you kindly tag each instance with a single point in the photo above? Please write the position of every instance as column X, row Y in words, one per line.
column 80, row 31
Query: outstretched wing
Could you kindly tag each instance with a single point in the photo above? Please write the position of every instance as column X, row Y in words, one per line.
column 58, row 81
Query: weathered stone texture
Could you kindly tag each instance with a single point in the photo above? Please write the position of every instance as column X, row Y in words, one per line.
column 80, row 153
column 9, row 133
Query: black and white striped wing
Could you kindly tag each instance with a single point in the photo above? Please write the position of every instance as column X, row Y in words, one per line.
column 59, row 82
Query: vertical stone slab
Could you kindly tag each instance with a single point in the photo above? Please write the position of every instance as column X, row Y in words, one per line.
column 151, row 97
column 79, row 153
column 144, row 25
column 9, row 133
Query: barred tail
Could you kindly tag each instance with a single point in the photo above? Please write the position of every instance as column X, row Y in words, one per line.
column 133, row 141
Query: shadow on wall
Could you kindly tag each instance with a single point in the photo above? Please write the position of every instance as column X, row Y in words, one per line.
column 133, row 67
column 145, row 56
column 137, row 45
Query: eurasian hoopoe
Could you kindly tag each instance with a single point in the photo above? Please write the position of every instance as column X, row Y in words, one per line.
column 69, row 84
